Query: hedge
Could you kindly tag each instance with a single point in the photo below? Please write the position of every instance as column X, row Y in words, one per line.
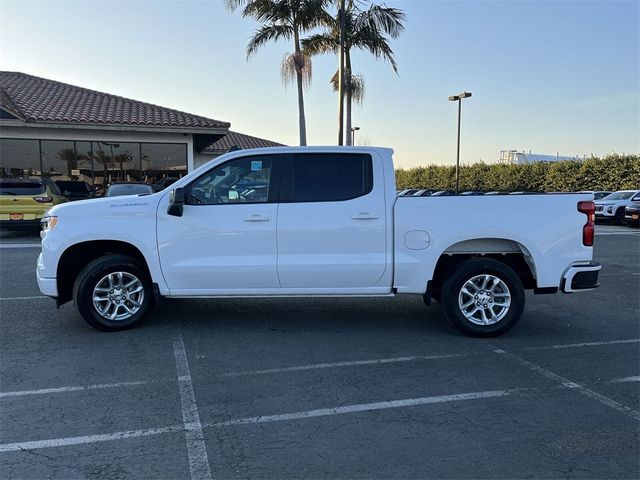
column 612, row 172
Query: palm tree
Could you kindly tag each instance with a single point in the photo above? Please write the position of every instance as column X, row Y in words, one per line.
column 71, row 157
column 286, row 20
column 367, row 30
column 105, row 160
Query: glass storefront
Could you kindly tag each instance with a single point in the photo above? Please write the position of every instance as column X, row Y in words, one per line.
column 98, row 163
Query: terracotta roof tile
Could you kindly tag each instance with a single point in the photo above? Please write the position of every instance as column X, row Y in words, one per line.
column 35, row 99
column 240, row 140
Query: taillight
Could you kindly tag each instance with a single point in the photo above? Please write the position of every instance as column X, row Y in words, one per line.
column 588, row 231
column 43, row 199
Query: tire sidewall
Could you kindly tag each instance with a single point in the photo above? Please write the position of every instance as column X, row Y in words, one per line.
column 92, row 274
column 465, row 272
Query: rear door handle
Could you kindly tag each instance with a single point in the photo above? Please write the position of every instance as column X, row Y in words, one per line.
column 365, row 216
column 257, row 218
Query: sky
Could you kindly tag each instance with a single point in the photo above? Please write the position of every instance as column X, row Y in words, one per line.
column 546, row 76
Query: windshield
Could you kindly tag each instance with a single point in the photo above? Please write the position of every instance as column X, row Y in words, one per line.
column 619, row 196
column 21, row 188
column 128, row 189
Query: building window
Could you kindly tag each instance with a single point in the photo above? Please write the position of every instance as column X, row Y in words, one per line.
column 59, row 158
column 116, row 162
column 163, row 160
column 19, row 158
column 99, row 162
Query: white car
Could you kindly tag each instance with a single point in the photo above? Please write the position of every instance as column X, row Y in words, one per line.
column 315, row 221
column 612, row 206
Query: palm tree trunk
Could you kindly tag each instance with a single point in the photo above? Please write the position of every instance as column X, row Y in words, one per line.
column 301, row 119
column 349, row 92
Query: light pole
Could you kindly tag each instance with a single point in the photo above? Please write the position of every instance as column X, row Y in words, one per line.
column 458, row 98
column 353, row 135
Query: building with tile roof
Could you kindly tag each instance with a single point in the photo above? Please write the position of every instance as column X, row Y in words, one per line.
column 50, row 128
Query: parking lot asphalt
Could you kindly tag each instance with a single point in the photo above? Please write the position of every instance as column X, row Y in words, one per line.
column 322, row 388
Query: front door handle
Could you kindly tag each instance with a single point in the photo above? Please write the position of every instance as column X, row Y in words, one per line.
column 365, row 216
column 257, row 218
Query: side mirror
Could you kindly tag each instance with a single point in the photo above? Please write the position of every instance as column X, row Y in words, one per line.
column 176, row 202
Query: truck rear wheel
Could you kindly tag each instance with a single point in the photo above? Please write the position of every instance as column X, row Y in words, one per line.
column 113, row 293
column 483, row 297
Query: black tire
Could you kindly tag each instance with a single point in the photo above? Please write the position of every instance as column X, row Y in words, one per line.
column 466, row 271
column 619, row 218
column 90, row 276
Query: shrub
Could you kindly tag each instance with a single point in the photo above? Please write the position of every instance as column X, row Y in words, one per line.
column 612, row 172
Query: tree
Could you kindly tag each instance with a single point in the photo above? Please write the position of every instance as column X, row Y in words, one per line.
column 105, row 160
column 286, row 20
column 368, row 30
column 71, row 157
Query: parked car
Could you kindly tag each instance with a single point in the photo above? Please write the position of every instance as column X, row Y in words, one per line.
column 632, row 215
column 597, row 194
column 129, row 188
column 164, row 183
column 75, row 189
column 325, row 227
column 612, row 206
column 23, row 202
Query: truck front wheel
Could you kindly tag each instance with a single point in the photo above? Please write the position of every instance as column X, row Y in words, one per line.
column 113, row 293
column 483, row 297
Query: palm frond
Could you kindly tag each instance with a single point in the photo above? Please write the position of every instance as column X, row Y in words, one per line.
column 269, row 11
column 377, row 44
column 291, row 64
column 267, row 33
column 355, row 84
column 232, row 5
column 312, row 14
column 382, row 18
column 320, row 43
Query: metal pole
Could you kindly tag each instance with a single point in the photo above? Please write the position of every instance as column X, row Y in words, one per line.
column 341, row 19
column 458, row 153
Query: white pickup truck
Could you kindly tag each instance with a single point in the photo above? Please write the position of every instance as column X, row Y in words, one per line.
column 314, row 221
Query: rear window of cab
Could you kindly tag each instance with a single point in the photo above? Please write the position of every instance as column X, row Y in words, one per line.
column 21, row 188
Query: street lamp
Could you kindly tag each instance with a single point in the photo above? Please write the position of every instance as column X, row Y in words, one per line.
column 458, row 98
column 353, row 135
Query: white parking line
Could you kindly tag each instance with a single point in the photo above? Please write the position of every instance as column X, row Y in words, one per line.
column 574, row 386
column 35, row 297
column 196, row 448
column 354, row 363
column 20, row 245
column 77, row 388
column 85, row 439
column 626, row 379
column 586, row 344
column 363, row 407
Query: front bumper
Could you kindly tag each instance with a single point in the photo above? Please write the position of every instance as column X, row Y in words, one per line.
column 581, row 277
column 632, row 219
column 48, row 286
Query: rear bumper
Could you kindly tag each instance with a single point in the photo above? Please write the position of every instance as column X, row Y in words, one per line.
column 581, row 277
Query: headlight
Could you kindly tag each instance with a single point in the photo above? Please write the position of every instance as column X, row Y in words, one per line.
column 48, row 222
column 610, row 209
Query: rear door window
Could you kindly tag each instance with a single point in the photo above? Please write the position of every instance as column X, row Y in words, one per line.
column 321, row 177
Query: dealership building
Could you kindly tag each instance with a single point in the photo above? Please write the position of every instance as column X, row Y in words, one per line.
column 53, row 129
